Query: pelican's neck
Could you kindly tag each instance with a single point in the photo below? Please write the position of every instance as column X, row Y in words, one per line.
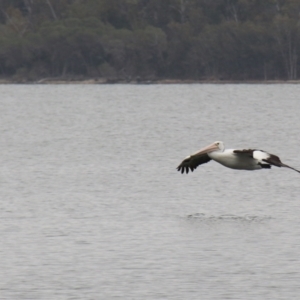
column 215, row 155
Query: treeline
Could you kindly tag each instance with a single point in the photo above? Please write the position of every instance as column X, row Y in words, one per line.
column 150, row 39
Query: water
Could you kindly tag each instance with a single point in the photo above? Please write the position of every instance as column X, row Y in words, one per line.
column 92, row 206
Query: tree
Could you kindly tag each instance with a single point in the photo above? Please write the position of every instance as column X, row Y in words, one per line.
column 287, row 36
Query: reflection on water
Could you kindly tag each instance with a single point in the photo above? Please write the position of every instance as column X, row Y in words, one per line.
column 92, row 206
column 228, row 218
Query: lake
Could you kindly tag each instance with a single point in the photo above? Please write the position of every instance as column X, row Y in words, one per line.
column 92, row 206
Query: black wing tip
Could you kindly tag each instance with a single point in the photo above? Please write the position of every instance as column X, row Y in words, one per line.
column 180, row 169
column 192, row 162
column 275, row 161
column 185, row 169
column 284, row 165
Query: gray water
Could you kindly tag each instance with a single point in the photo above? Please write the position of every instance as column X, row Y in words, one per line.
column 92, row 206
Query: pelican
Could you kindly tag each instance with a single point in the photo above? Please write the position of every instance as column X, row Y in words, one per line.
column 247, row 159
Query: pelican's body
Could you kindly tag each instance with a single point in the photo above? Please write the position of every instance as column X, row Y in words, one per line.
column 247, row 159
column 229, row 159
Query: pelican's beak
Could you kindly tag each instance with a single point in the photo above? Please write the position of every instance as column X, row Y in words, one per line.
column 207, row 149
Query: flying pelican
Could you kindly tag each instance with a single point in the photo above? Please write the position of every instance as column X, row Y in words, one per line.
column 247, row 159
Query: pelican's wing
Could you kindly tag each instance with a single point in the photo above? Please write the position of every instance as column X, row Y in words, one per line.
column 275, row 161
column 260, row 155
column 192, row 162
column 244, row 152
column 271, row 159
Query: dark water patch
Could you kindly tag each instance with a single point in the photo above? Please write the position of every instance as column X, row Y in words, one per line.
column 229, row 218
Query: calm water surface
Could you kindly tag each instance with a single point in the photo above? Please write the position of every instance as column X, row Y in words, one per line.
column 92, row 206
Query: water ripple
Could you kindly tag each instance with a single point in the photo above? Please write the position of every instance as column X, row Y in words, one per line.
column 203, row 217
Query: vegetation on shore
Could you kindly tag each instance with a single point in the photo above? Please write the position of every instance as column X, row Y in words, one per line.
column 146, row 40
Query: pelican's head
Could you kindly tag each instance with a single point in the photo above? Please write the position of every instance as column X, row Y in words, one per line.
column 220, row 145
column 216, row 146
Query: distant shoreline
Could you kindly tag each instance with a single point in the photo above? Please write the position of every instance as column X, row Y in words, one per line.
column 161, row 81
